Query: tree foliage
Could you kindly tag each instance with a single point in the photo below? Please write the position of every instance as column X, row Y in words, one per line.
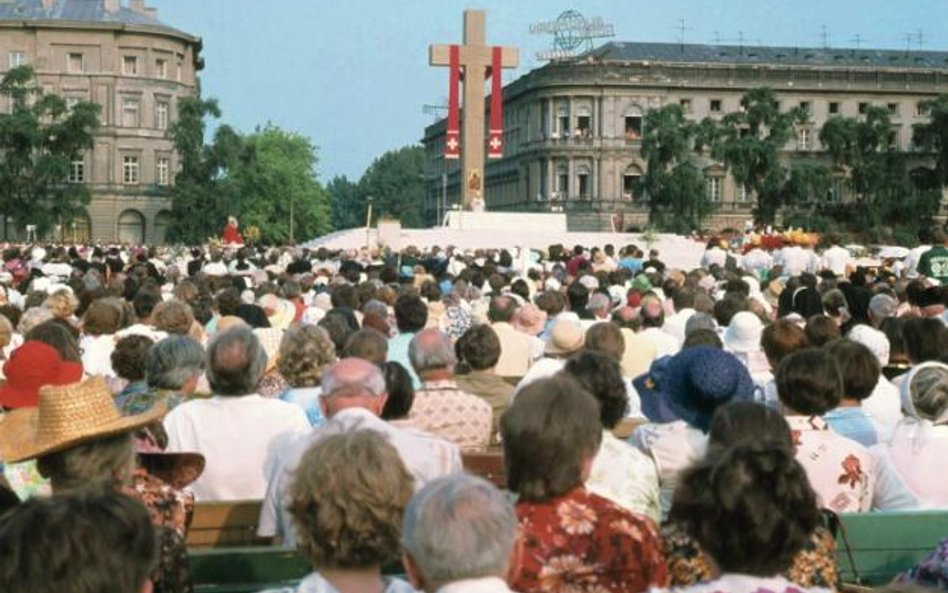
column 395, row 181
column 933, row 137
column 675, row 186
column 39, row 139
column 348, row 203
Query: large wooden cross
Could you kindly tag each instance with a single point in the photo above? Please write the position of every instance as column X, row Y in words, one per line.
column 475, row 58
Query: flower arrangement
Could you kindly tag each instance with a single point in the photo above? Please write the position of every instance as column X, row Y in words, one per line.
column 251, row 234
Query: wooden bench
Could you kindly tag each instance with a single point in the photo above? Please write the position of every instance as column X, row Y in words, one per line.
column 886, row 544
column 488, row 464
column 225, row 524
column 245, row 570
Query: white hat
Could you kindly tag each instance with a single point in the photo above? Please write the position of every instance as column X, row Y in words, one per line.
column 873, row 339
column 743, row 333
column 590, row 282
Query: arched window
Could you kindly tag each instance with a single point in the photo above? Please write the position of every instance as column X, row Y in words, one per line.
column 633, row 123
column 131, row 227
column 80, row 230
column 630, row 183
column 162, row 222
column 583, row 183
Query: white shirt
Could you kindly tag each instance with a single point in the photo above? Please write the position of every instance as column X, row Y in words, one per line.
column 316, row 583
column 237, row 436
column 626, row 476
column 796, row 260
column 673, row 447
column 140, row 329
column 426, row 457
column 908, row 470
column 541, row 369
column 713, row 256
column 665, row 343
column 741, row 583
column 885, row 407
column 836, row 259
column 482, row 585
column 756, row 259
column 97, row 355
column 675, row 324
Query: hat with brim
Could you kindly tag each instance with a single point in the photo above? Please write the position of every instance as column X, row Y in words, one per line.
column 30, row 367
column 67, row 416
column 179, row 470
column 654, row 400
column 566, row 336
column 700, row 379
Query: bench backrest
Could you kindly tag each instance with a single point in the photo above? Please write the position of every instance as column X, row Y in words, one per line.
column 245, row 570
column 225, row 524
column 886, row 544
column 486, row 464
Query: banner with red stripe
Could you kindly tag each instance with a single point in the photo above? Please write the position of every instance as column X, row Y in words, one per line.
column 452, row 140
column 495, row 135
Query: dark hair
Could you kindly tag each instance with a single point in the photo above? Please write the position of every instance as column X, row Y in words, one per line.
column 550, row 301
column 344, row 295
column 702, row 337
column 89, row 541
column 552, row 427
column 411, row 313
column 58, row 334
column 146, row 299
column 858, row 366
column 11, row 312
column 577, row 295
column 821, row 329
column 338, row 328
column 750, row 507
column 748, row 422
column 368, row 344
column 780, row 338
column 102, row 318
column 606, row 337
column 479, row 347
column 892, row 328
column 128, row 357
column 926, row 339
column 808, row 382
column 227, row 301
column 600, row 375
column 401, row 392
column 729, row 306
column 501, row 308
column 684, row 298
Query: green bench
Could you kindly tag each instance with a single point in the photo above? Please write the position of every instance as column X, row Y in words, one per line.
column 886, row 544
column 246, row 570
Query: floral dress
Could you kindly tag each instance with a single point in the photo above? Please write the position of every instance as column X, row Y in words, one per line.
column 813, row 566
column 582, row 543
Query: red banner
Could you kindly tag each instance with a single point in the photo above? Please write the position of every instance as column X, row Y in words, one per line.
column 495, row 135
column 452, row 140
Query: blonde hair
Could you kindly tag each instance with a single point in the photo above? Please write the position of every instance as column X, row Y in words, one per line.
column 62, row 303
column 304, row 353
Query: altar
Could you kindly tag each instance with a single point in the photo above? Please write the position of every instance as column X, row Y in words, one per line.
column 546, row 222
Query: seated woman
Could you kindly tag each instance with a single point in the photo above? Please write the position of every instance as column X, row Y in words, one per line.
column 734, row 424
column 751, row 510
column 304, row 352
column 573, row 539
column 905, row 478
column 347, row 499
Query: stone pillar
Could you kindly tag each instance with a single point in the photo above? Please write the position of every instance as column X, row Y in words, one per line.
column 571, row 172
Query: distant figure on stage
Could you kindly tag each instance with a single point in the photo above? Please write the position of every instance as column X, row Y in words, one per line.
column 230, row 235
column 478, row 205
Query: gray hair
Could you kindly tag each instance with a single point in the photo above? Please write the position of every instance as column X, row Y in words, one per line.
column 172, row 361
column 429, row 350
column 700, row 321
column 459, row 527
column 599, row 302
column 375, row 306
column 236, row 362
column 352, row 377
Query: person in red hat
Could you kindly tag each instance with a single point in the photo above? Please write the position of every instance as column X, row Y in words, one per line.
column 31, row 366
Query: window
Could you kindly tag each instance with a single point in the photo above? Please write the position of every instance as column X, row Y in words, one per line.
column 562, row 183
column 130, row 112
column 130, row 65
column 77, row 171
column 863, row 107
column 743, row 194
column 805, row 107
column 180, row 68
column 564, row 126
column 921, row 109
column 161, row 68
column 163, row 170
column 583, row 179
column 130, row 169
column 633, row 127
column 74, row 63
column 892, row 139
column 715, row 106
column 685, row 105
column 714, row 189
column 630, row 183
column 584, row 125
column 893, row 108
column 17, row 58
column 161, row 115
column 803, row 139
column 836, row 191
column 834, row 108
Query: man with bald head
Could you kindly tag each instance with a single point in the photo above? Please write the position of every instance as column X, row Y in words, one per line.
column 353, row 395
column 440, row 407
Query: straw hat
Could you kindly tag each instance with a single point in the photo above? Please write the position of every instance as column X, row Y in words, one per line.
column 67, row 416
column 566, row 336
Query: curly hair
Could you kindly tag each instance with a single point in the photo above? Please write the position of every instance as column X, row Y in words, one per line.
column 304, row 353
column 102, row 318
column 750, row 507
column 599, row 374
column 347, row 498
column 173, row 316
column 62, row 303
column 128, row 358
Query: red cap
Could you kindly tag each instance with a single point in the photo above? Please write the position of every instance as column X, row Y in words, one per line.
column 31, row 366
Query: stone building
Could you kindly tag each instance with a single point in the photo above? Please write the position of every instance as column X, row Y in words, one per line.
column 573, row 128
column 133, row 65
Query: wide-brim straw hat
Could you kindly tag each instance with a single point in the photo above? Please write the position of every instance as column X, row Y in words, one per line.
column 67, row 416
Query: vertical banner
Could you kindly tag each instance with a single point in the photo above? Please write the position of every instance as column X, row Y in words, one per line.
column 452, row 140
column 495, row 136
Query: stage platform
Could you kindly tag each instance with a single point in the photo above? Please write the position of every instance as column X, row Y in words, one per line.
column 512, row 232
column 506, row 221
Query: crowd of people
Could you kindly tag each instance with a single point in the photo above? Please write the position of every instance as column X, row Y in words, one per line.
column 659, row 428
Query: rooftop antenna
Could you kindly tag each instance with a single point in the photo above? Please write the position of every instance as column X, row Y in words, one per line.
column 437, row 110
column 921, row 38
column 857, row 39
column 824, row 37
column 908, row 43
column 681, row 28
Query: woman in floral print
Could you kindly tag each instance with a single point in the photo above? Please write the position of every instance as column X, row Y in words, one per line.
column 573, row 540
column 750, row 509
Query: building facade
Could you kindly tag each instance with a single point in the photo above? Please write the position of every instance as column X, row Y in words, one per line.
column 573, row 128
column 136, row 68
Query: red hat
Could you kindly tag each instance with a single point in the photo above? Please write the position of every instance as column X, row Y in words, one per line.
column 31, row 366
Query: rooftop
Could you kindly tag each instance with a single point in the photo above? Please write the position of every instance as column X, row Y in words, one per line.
column 623, row 51
column 82, row 11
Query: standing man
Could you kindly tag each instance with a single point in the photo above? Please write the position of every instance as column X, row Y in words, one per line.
column 934, row 262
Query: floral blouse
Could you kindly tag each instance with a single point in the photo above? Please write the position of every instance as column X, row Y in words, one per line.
column 582, row 543
column 813, row 566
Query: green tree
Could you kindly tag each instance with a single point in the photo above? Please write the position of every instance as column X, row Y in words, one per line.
column 276, row 186
column 348, row 203
column 39, row 139
column 750, row 141
column 396, row 183
column 675, row 187
column 933, row 137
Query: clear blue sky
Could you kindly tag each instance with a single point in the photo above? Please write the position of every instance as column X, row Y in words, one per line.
column 352, row 74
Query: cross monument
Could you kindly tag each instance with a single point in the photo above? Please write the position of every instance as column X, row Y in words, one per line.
column 475, row 59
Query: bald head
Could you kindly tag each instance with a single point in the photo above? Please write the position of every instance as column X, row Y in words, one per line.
column 430, row 350
column 352, row 383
